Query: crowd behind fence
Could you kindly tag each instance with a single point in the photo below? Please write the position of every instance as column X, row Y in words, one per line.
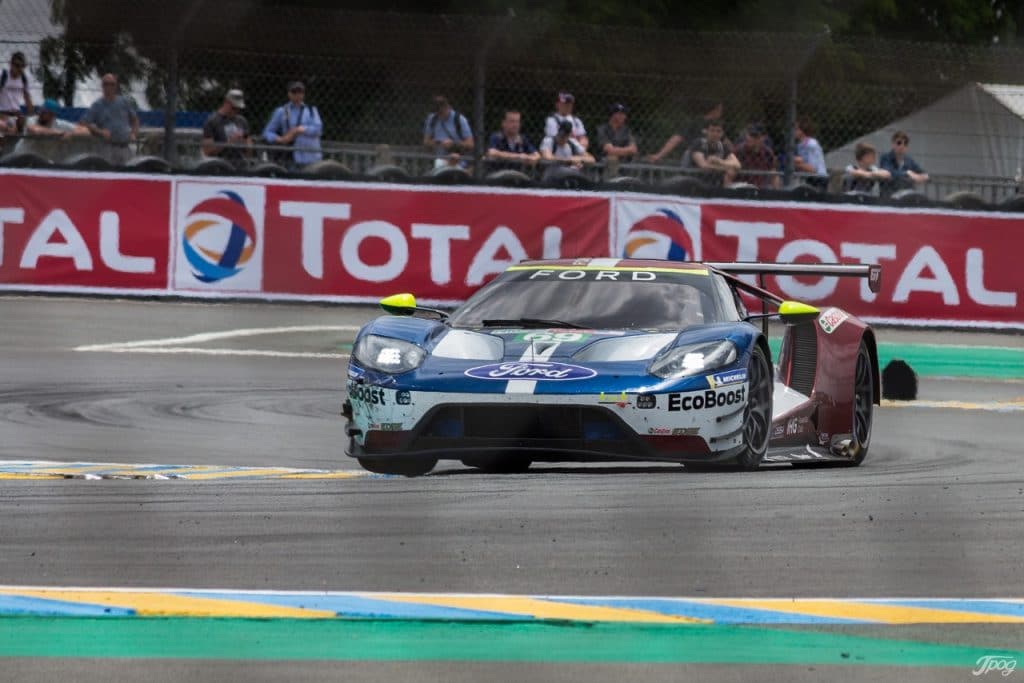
column 372, row 77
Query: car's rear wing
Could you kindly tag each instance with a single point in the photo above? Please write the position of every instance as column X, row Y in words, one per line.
column 872, row 272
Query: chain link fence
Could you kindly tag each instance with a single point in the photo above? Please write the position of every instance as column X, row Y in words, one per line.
column 372, row 76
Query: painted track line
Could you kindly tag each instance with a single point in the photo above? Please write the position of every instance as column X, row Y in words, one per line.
column 205, row 337
column 348, row 605
column 28, row 470
column 1013, row 406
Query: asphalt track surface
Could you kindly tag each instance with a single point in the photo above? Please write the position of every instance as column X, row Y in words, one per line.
column 937, row 510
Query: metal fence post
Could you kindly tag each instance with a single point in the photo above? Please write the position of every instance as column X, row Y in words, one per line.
column 479, row 87
column 787, row 177
column 171, row 106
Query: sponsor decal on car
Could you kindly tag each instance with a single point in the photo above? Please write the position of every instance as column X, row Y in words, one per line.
column 721, row 379
column 709, row 399
column 646, row 401
column 686, row 431
column 659, row 431
column 390, row 426
column 551, row 336
column 778, row 430
column 365, row 393
column 792, row 427
column 531, row 371
column 403, row 398
column 620, row 399
column 831, row 319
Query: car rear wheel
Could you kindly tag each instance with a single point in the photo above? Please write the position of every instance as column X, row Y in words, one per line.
column 499, row 464
column 863, row 407
column 757, row 416
column 401, row 465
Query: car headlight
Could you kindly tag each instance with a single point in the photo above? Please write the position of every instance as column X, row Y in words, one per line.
column 387, row 355
column 693, row 359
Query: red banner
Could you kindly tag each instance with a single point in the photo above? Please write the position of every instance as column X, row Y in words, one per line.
column 937, row 267
column 89, row 232
column 357, row 242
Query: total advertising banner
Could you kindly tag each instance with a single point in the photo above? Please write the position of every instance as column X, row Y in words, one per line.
column 67, row 232
column 937, row 267
column 273, row 239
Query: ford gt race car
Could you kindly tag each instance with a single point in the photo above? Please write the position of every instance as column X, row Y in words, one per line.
column 610, row 359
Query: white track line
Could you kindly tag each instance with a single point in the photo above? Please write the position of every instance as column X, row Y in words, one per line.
column 204, row 337
column 198, row 351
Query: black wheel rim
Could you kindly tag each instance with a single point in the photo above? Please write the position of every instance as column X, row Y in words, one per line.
column 863, row 399
column 757, row 419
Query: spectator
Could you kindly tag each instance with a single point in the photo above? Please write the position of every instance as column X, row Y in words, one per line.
column 564, row 148
column 755, row 155
column 447, row 132
column 226, row 131
column 691, row 130
column 615, row 139
column 296, row 124
column 46, row 134
column 564, row 104
column 904, row 170
column 714, row 154
column 864, row 176
column 112, row 119
column 510, row 145
column 14, row 89
column 809, row 157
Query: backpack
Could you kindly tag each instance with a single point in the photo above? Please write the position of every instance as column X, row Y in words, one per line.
column 432, row 124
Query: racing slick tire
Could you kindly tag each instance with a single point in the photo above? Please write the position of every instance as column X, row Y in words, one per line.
column 757, row 416
column 402, row 466
column 863, row 407
column 499, row 464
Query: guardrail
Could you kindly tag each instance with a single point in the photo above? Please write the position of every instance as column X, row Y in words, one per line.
column 403, row 163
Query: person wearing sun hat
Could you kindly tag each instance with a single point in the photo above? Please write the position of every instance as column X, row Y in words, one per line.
column 46, row 135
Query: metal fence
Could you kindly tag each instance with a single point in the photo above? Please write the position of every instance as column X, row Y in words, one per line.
column 372, row 75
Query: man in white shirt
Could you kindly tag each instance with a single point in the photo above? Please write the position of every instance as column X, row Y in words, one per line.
column 563, row 148
column 14, row 87
column 563, row 112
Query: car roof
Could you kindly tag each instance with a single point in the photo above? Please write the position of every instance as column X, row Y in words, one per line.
column 691, row 267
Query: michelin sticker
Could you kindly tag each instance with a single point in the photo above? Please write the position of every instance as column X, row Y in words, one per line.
column 723, row 378
column 831, row 319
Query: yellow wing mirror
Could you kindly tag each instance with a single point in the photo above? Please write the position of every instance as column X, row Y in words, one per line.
column 796, row 313
column 399, row 304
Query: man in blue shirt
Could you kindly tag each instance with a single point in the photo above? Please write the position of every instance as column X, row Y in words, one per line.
column 447, row 132
column 112, row 120
column 809, row 158
column 905, row 171
column 297, row 125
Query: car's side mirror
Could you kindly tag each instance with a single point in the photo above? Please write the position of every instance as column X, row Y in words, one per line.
column 399, row 304
column 797, row 313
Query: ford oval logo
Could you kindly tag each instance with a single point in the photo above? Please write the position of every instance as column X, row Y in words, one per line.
column 527, row 370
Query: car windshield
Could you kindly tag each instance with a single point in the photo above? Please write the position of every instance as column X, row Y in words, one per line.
column 665, row 303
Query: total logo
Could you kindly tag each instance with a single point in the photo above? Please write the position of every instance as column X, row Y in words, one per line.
column 658, row 230
column 220, row 237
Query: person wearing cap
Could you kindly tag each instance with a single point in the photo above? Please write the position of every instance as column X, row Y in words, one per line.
column 112, row 120
column 45, row 134
column 226, row 132
column 563, row 147
column 296, row 125
column 614, row 138
column 564, row 104
column 755, row 155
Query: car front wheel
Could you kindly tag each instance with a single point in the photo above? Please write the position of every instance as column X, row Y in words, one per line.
column 757, row 416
